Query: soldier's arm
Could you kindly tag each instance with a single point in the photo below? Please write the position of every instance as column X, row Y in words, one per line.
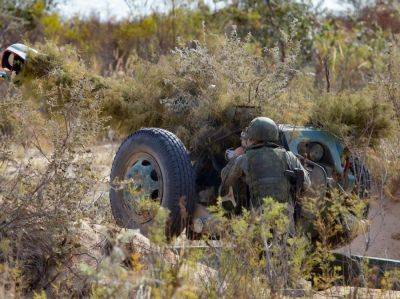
column 231, row 173
column 294, row 162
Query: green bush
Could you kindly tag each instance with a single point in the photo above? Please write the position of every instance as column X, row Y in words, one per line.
column 359, row 118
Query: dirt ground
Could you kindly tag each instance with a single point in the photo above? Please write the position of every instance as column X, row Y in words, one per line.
column 383, row 237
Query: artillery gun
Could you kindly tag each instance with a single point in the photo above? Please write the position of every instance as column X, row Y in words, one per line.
column 13, row 60
column 154, row 164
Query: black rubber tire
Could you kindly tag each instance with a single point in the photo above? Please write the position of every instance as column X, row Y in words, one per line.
column 177, row 173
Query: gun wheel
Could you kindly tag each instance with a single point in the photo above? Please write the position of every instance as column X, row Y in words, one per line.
column 152, row 164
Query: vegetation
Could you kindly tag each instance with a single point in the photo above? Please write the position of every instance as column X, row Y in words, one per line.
column 201, row 74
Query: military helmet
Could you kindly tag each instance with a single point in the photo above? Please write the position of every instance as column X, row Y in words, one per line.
column 262, row 129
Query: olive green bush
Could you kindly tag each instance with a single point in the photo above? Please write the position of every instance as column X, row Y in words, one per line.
column 330, row 222
column 362, row 118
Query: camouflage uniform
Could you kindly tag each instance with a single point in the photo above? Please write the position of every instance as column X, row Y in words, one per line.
column 262, row 167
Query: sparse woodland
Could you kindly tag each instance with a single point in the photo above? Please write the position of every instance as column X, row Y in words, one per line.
column 186, row 70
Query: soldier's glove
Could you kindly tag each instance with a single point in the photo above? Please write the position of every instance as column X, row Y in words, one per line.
column 230, row 154
column 4, row 75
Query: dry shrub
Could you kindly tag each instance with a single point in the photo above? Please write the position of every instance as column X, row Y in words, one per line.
column 295, row 103
column 388, row 151
column 56, row 77
column 384, row 165
column 6, row 118
column 132, row 103
column 257, row 253
column 390, row 77
column 43, row 192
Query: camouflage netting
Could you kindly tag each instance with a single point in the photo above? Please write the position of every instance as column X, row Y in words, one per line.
column 60, row 74
column 206, row 91
column 197, row 94
column 201, row 93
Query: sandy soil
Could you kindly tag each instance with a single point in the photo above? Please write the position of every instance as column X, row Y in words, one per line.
column 383, row 237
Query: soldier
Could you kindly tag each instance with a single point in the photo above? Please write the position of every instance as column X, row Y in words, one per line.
column 263, row 166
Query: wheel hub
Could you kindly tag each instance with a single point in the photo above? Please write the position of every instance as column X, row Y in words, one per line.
column 144, row 182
